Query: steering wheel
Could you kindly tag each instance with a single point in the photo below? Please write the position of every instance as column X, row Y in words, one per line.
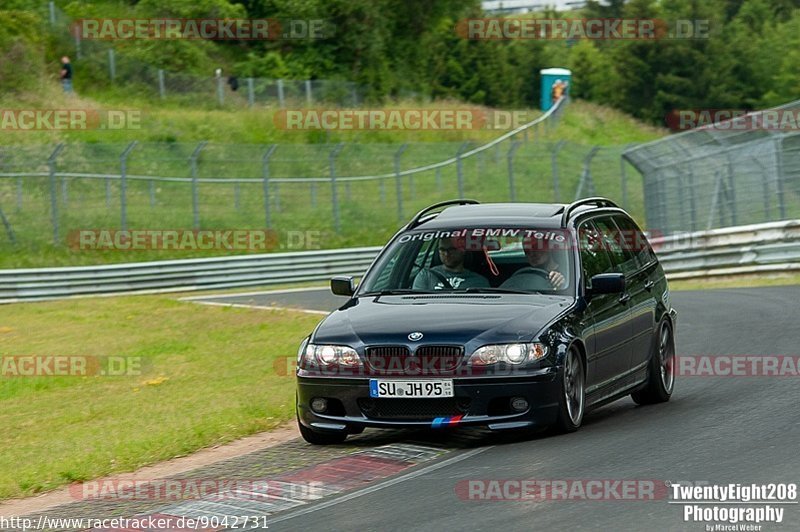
column 530, row 270
column 442, row 278
column 531, row 279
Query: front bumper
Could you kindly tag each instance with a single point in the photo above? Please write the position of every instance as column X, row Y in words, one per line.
column 481, row 401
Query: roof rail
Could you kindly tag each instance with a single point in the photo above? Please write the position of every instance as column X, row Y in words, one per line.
column 599, row 201
column 416, row 219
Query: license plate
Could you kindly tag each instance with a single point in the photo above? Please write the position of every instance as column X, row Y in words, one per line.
column 411, row 389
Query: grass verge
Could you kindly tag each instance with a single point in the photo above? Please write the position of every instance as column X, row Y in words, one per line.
column 736, row 281
column 207, row 378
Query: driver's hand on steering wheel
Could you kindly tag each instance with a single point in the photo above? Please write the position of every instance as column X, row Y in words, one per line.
column 557, row 279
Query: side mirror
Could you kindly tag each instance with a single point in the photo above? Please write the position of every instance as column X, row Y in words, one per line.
column 608, row 283
column 343, row 286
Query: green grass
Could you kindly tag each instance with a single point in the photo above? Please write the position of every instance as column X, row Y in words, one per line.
column 736, row 281
column 208, row 378
column 368, row 209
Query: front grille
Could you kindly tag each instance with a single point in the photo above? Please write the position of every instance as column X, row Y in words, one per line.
column 413, row 409
column 387, row 351
column 427, row 360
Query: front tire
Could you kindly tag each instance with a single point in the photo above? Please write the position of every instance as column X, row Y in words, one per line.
column 572, row 402
column 660, row 370
column 320, row 438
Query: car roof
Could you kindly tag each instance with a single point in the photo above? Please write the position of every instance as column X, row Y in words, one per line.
column 544, row 215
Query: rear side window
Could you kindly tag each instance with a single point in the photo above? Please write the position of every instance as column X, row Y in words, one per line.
column 623, row 259
column 635, row 240
column 594, row 258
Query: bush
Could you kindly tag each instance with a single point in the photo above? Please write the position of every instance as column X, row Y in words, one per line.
column 21, row 52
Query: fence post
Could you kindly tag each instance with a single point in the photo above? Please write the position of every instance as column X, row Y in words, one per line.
column 265, row 183
column 7, row 225
column 77, row 34
column 52, row 13
column 161, row 88
column 220, row 91
column 511, row 151
column 251, row 97
column 112, row 65
column 51, row 164
column 460, row 169
column 779, row 179
column 764, row 190
column 398, row 181
column 586, row 174
column 692, row 206
column 195, row 188
column 108, row 192
column 64, row 191
column 623, row 182
column 554, row 166
column 334, row 193
column 309, row 96
column 152, row 190
column 281, row 99
column 624, row 176
column 714, row 199
column 681, row 193
column 690, row 186
column 731, row 190
column 19, row 194
column 123, row 185
column 236, row 192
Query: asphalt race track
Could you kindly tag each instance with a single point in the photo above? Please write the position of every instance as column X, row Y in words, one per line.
column 715, row 430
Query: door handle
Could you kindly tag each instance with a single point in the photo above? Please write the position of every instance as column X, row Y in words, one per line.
column 624, row 298
column 648, row 285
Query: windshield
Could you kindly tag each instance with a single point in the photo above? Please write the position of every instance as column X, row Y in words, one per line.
column 484, row 259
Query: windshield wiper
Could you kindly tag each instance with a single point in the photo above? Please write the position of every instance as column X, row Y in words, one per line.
column 490, row 290
column 394, row 292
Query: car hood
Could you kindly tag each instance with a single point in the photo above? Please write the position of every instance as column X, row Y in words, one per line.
column 471, row 320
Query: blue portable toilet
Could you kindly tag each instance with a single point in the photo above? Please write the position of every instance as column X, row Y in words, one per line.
column 551, row 76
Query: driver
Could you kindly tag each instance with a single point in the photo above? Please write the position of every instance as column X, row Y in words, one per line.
column 451, row 271
column 540, row 258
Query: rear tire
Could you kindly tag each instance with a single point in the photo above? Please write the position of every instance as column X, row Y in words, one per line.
column 320, row 438
column 660, row 370
column 572, row 400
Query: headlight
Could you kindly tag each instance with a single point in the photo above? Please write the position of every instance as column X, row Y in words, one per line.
column 329, row 355
column 514, row 354
column 302, row 350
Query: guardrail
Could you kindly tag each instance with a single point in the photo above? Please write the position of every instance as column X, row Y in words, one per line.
column 771, row 247
column 746, row 249
column 182, row 275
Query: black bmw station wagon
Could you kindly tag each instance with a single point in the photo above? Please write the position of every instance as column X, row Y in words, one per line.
column 509, row 316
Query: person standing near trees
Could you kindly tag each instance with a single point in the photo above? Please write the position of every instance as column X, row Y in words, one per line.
column 66, row 75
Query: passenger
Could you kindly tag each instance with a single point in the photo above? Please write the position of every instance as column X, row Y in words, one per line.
column 451, row 271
